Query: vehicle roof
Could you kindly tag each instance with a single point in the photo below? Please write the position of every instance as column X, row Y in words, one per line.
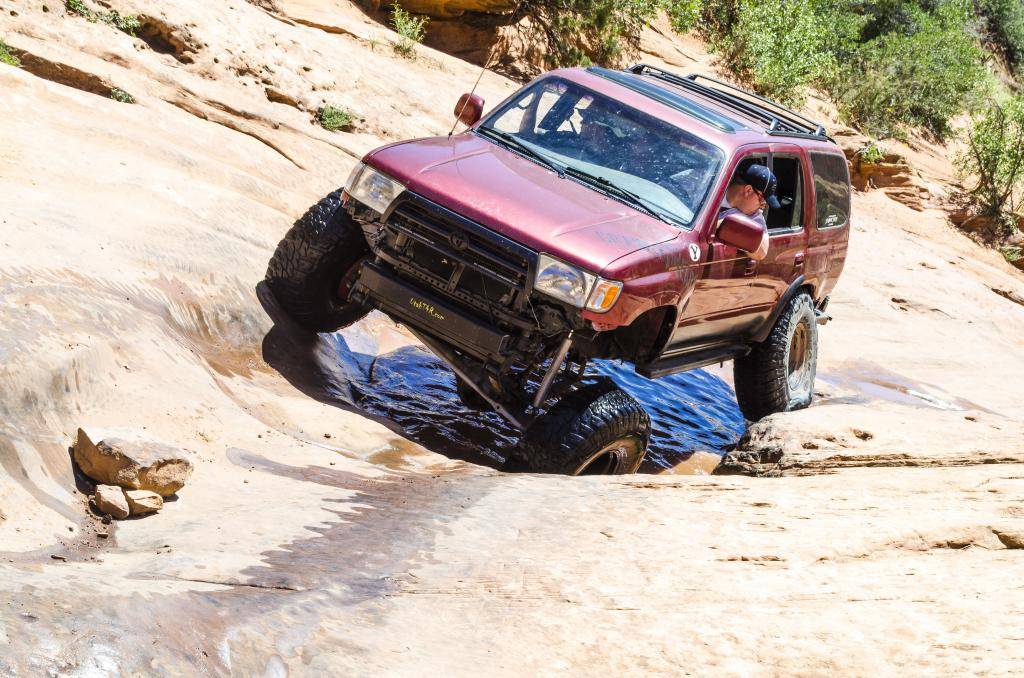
column 687, row 107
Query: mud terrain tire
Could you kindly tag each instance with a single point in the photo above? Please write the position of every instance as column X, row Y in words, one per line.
column 304, row 274
column 598, row 429
column 778, row 374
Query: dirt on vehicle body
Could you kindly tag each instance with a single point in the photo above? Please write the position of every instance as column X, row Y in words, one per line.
column 582, row 219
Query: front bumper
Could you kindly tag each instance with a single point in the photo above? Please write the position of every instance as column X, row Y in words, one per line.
column 429, row 313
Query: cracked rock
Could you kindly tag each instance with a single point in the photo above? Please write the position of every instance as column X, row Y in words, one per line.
column 143, row 501
column 110, row 500
column 133, row 462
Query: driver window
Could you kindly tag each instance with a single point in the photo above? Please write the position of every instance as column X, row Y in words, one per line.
column 790, row 192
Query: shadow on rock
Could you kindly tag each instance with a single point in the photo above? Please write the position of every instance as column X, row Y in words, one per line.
column 412, row 392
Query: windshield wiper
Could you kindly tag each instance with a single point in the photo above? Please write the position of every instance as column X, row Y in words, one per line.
column 524, row 148
column 624, row 193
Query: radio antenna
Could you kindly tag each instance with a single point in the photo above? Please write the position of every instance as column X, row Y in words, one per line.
column 472, row 91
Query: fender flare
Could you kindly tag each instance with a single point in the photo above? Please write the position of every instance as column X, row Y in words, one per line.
column 762, row 332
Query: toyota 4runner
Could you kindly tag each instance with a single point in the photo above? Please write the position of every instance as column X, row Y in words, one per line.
column 581, row 219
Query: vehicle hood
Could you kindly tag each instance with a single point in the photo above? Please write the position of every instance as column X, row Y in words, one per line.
column 521, row 199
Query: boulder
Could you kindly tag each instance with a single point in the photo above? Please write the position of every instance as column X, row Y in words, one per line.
column 143, row 501
column 133, row 462
column 111, row 501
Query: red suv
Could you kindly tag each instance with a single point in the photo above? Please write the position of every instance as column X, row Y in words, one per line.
column 583, row 219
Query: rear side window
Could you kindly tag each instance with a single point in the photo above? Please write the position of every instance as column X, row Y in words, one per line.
column 831, row 189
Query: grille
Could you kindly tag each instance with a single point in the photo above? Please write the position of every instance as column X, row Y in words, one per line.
column 483, row 270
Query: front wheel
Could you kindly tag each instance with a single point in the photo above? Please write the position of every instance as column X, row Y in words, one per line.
column 315, row 264
column 596, row 430
column 778, row 374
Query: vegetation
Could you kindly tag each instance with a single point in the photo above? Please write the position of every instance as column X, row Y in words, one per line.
column 777, row 46
column 118, row 94
column 889, row 65
column 912, row 68
column 333, row 119
column 411, row 30
column 594, row 31
column 871, row 154
column 1012, row 254
column 995, row 159
column 6, row 57
column 127, row 24
column 1004, row 28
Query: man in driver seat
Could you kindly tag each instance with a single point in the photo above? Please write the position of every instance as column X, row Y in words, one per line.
column 750, row 192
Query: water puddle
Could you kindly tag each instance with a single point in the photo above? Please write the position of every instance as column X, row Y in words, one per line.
column 694, row 414
column 861, row 382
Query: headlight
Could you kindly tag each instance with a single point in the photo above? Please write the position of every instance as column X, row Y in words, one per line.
column 375, row 190
column 575, row 286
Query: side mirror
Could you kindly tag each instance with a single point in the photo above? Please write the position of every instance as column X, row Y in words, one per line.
column 744, row 234
column 470, row 109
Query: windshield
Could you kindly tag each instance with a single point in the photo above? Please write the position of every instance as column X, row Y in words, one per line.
column 654, row 165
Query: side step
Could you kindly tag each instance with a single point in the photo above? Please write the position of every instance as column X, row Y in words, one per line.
column 691, row 360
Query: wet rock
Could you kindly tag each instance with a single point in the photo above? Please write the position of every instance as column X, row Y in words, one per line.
column 110, row 500
column 143, row 501
column 759, row 452
column 133, row 462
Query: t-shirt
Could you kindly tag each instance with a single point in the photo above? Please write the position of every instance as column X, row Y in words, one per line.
column 757, row 216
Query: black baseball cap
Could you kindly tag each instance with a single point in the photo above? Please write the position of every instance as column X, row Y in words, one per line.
column 761, row 179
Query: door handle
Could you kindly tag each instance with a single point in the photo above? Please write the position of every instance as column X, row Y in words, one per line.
column 798, row 260
column 751, row 267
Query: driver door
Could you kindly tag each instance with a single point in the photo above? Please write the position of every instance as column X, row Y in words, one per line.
column 728, row 300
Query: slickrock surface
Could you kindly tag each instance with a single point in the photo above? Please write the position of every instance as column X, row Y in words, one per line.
column 132, row 241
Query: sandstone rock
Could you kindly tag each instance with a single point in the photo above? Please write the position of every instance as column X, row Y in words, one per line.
column 110, row 500
column 134, row 463
column 143, row 501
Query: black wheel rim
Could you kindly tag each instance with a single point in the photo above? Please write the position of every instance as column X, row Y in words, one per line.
column 612, row 459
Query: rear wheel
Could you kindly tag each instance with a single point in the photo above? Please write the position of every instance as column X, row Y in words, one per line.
column 598, row 429
column 315, row 264
column 778, row 374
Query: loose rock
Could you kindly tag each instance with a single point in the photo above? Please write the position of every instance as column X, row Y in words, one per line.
column 136, row 464
column 143, row 501
column 110, row 500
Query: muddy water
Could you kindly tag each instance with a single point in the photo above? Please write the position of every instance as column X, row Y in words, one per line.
column 691, row 413
column 859, row 382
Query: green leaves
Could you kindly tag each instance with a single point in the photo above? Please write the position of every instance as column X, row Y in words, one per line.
column 995, row 159
column 781, row 46
column 921, row 72
column 119, row 95
column 6, row 57
column 332, row 118
column 411, row 30
column 887, row 64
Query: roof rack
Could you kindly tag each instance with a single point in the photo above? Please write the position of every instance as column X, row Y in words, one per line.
column 779, row 120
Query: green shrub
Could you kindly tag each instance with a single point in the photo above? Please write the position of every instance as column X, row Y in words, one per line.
column 582, row 32
column 127, row 24
column 6, row 57
column 118, row 94
column 1004, row 23
column 994, row 159
column 1012, row 254
column 921, row 78
column 78, row 7
column 684, row 14
column 781, row 46
column 332, row 118
column 871, row 154
column 411, row 30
